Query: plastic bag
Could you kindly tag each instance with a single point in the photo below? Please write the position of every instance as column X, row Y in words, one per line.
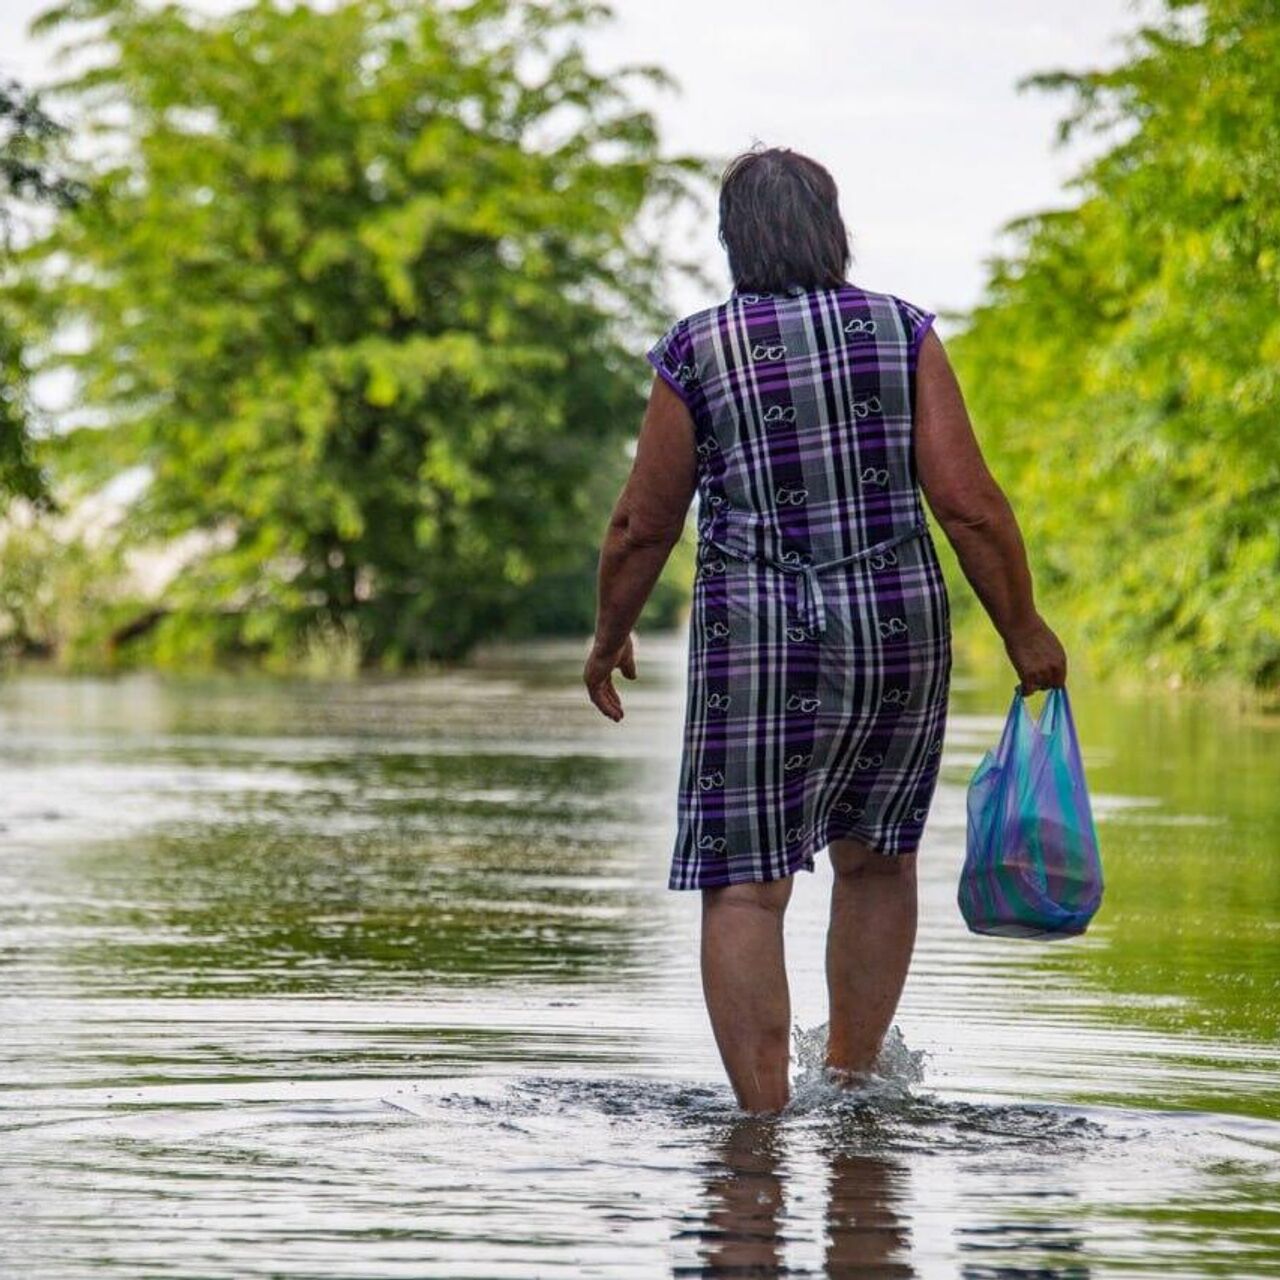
column 1032, row 868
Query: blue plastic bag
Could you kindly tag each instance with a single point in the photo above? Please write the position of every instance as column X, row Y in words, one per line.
column 1032, row 867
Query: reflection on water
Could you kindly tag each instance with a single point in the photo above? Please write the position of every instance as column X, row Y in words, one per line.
column 383, row 979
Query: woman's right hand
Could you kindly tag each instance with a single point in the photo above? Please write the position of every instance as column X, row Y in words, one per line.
column 1037, row 656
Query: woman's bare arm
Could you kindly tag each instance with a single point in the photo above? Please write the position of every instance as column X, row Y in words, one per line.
column 646, row 523
column 978, row 520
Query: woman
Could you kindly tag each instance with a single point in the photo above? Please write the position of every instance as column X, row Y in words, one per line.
column 808, row 414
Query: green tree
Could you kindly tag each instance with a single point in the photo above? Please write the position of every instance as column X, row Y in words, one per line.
column 27, row 177
column 362, row 289
column 1124, row 365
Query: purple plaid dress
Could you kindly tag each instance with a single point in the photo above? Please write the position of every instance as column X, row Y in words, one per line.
column 819, row 638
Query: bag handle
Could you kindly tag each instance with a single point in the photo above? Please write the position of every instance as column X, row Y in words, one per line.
column 1056, row 709
column 1056, row 688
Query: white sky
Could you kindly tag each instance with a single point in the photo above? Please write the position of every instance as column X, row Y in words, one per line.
column 912, row 107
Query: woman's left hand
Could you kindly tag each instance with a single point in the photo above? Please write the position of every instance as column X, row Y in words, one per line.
column 597, row 675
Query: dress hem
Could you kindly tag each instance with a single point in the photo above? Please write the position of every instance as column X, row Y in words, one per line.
column 885, row 848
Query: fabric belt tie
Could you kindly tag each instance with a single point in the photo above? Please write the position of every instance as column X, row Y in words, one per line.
column 810, row 602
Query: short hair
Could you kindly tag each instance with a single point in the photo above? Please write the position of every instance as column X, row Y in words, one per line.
column 780, row 222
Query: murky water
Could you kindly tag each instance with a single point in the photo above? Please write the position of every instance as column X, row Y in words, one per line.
column 383, row 980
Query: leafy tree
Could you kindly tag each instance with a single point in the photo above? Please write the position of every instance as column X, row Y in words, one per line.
column 362, row 289
column 27, row 134
column 1124, row 366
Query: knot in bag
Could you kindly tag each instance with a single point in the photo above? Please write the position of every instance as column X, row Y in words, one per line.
column 1032, row 867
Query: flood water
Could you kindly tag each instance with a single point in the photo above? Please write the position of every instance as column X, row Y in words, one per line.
column 382, row 979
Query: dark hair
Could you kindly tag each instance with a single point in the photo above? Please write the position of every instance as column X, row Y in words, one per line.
column 780, row 222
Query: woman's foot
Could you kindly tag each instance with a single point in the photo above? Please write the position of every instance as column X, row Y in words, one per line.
column 849, row 1077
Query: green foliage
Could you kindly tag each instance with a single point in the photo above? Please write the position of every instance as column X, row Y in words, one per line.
column 19, row 473
column 62, row 595
column 27, row 137
column 1124, row 368
column 352, row 282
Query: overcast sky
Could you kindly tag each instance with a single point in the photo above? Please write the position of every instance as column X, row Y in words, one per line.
column 912, row 107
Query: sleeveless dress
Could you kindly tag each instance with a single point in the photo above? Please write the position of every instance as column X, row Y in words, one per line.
column 819, row 656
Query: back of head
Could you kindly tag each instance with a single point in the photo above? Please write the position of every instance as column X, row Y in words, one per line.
column 780, row 222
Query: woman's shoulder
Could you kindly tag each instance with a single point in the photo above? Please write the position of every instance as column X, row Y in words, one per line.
column 914, row 317
column 915, row 312
column 704, row 318
column 885, row 298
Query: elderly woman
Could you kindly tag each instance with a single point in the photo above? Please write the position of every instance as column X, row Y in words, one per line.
column 808, row 414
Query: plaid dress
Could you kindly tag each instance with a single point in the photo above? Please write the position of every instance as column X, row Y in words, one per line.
column 819, row 636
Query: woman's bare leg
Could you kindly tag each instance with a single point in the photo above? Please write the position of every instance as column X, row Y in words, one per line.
column 869, row 943
column 744, row 979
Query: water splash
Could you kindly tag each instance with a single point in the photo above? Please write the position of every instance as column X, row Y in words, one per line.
column 882, row 1113
column 896, row 1069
